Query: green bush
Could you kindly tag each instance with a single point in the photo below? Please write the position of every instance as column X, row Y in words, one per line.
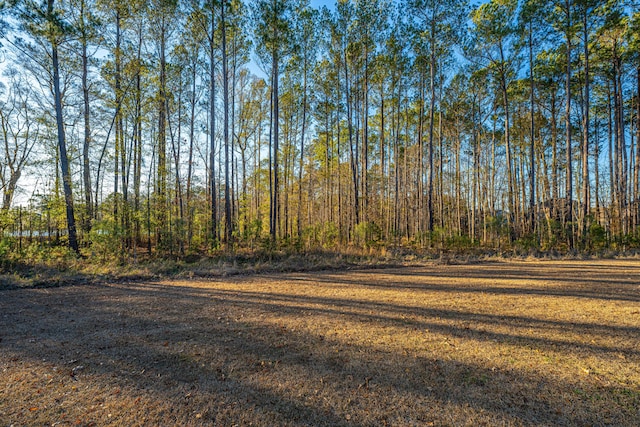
column 321, row 236
column 459, row 242
column 6, row 244
column 527, row 243
column 597, row 236
column 106, row 240
column 367, row 234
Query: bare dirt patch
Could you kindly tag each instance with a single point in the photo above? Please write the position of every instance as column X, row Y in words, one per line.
column 516, row 343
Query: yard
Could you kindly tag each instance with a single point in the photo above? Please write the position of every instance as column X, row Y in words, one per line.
column 500, row 343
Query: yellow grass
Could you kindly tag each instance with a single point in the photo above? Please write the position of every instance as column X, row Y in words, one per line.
column 514, row 343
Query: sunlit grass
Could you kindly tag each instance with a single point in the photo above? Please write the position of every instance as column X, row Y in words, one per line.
column 517, row 343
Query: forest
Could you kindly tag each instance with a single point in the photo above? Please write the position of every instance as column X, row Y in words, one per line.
column 178, row 127
column 320, row 212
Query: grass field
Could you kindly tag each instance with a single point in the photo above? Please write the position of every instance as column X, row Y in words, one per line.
column 509, row 343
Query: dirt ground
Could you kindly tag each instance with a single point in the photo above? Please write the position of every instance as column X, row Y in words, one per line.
column 513, row 343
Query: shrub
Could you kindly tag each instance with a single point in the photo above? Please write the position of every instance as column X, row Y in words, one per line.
column 459, row 242
column 6, row 243
column 527, row 243
column 367, row 234
column 106, row 240
column 597, row 236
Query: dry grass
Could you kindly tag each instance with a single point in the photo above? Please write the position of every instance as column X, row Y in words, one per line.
column 515, row 343
column 66, row 269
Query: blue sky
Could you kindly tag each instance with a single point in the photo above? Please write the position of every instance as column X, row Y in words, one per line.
column 319, row 3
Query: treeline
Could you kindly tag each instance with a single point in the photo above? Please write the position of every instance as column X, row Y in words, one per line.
column 177, row 127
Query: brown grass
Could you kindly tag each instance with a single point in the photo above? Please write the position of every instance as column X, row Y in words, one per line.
column 513, row 343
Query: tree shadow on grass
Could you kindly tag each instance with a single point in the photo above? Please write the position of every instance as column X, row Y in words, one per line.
column 144, row 352
column 164, row 340
column 452, row 322
column 469, row 325
column 590, row 282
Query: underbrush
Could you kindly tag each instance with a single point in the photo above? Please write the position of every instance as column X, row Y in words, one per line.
column 38, row 266
column 48, row 266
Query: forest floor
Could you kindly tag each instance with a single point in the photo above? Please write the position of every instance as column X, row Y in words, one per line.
column 493, row 343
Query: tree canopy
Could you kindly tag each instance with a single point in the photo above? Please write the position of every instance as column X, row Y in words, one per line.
column 176, row 127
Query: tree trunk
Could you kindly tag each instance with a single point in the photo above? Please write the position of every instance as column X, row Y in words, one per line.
column 352, row 151
column 432, row 102
column 86, row 171
column 569, row 175
column 225, row 93
column 118, row 117
column 636, row 178
column 532, row 142
column 365, row 141
column 275, row 210
column 192, row 125
column 62, row 145
column 585, row 130
column 161, row 207
column 302, row 134
column 212, row 133
column 507, row 138
column 137, row 138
